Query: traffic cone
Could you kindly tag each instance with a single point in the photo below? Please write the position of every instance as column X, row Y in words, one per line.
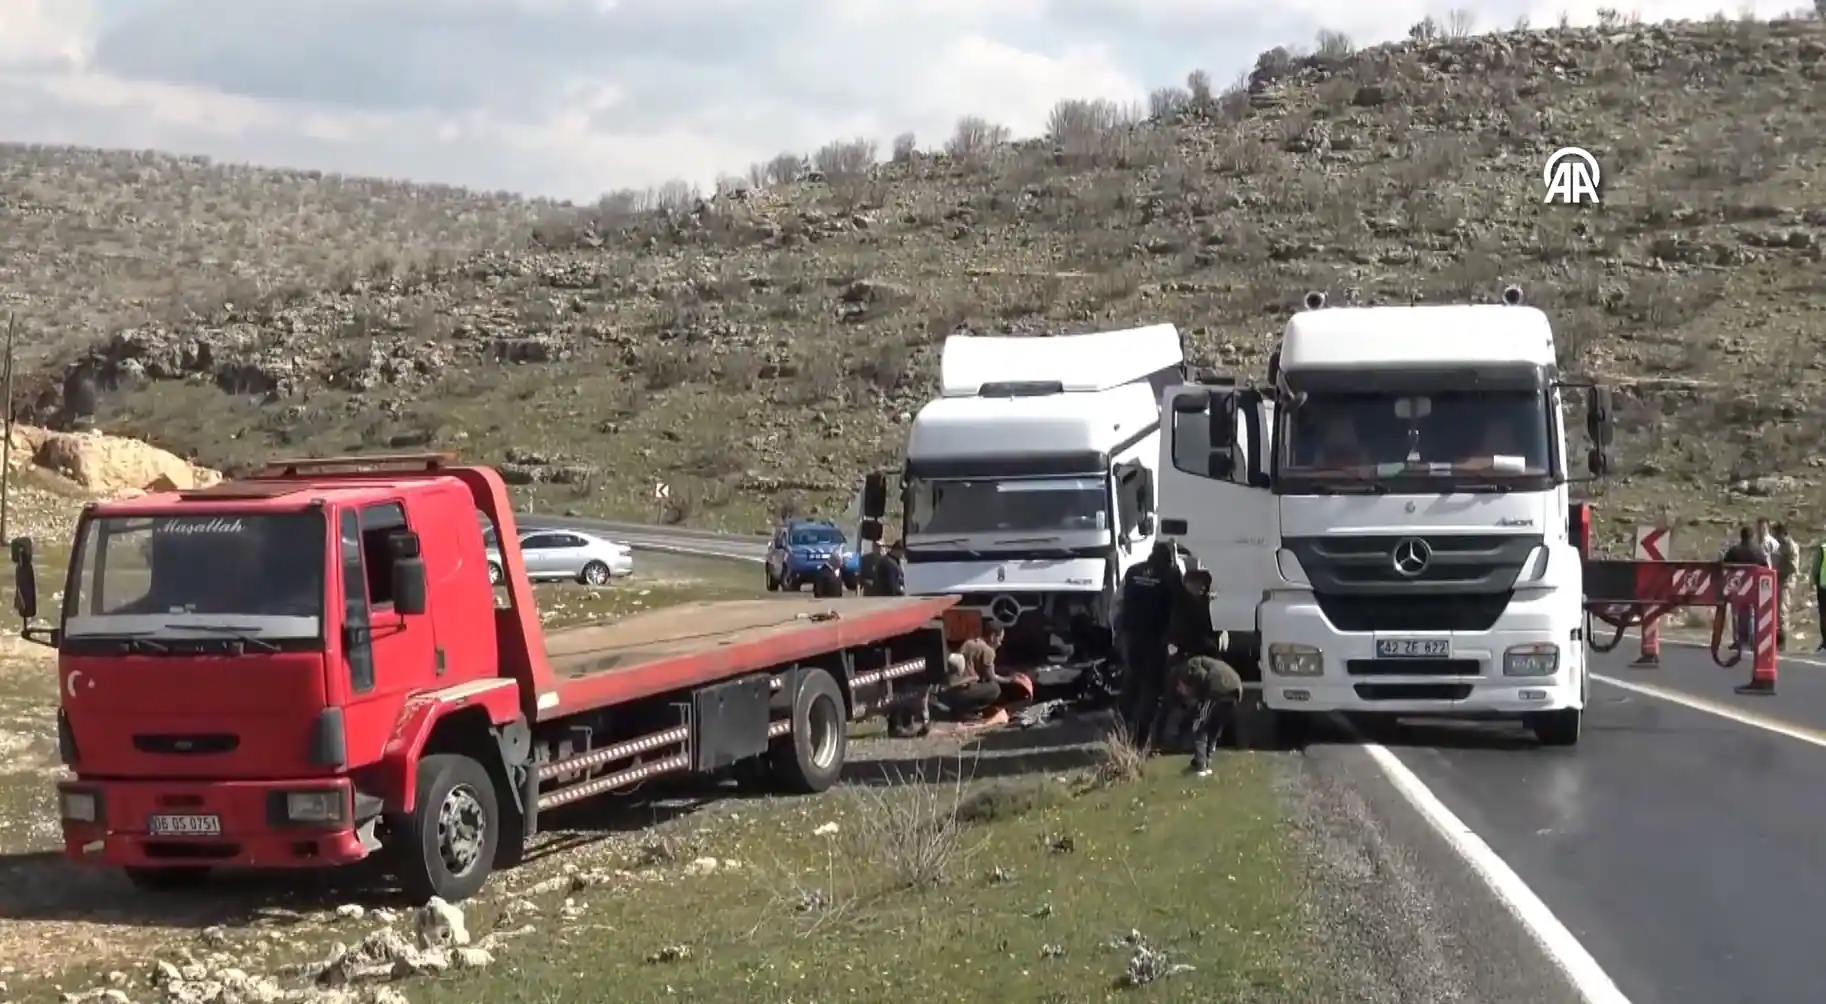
column 1764, row 627
column 1649, row 656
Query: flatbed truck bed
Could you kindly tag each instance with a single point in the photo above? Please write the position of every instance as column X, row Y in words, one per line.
column 594, row 665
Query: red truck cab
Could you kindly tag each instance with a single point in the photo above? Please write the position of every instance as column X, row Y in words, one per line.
column 307, row 667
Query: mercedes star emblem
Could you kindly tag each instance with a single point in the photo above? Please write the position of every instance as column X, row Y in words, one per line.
column 1001, row 573
column 1411, row 556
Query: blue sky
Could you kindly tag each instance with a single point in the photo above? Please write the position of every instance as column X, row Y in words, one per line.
column 572, row 98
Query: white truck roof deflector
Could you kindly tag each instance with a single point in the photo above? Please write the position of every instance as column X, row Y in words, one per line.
column 1080, row 363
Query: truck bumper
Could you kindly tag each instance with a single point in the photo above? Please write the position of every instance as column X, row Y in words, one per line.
column 1469, row 682
column 224, row 824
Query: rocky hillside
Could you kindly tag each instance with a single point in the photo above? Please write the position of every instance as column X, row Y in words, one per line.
column 764, row 346
column 92, row 241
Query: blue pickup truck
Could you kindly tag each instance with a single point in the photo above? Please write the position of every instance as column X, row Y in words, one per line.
column 800, row 546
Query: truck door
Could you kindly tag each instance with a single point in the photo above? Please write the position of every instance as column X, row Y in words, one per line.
column 384, row 653
column 1214, row 496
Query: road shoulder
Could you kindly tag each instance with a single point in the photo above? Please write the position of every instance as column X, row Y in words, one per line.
column 1405, row 918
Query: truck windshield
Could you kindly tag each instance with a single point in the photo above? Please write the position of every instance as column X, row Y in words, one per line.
column 1049, row 505
column 261, row 574
column 1490, row 437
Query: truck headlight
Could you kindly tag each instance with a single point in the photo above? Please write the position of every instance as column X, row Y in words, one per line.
column 1541, row 659
column 1288, row 659
column 313, row 806
column 77, row 806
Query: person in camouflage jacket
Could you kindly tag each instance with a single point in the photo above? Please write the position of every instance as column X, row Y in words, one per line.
column 1210, row 690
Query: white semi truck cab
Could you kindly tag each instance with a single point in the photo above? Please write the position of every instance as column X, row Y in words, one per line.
column 1387, row 520
column 1029, row 482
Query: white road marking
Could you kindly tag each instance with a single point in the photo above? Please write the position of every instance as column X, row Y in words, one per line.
column 1722, row 710
column 1588, row 978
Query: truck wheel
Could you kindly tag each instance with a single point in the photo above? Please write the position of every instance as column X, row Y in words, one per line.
column 810, row 759
column 495, row 575
column 447, row 846
column 1558, row 728
column 167, row 879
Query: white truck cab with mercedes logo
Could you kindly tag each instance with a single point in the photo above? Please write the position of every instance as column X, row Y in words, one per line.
column 1029, row 482
column 1387, row 519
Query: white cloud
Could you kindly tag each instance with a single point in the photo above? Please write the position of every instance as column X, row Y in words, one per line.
column 571, row 98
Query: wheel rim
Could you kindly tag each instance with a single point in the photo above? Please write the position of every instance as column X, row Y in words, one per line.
column 462, row 828
column 596, row 575
column 825, row 726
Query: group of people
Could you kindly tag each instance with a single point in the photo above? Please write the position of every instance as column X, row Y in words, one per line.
column 1173, row 657
column 879, row 574
column 1773, row 547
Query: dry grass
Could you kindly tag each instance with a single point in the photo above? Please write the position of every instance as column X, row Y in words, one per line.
column 759, row 348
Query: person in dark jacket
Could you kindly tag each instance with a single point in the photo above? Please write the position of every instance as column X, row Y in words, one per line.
column 1149, row 593
column 1189, row 634
column 868, row 570
column 827, row 584
column 891, row 572
column 1747, row 551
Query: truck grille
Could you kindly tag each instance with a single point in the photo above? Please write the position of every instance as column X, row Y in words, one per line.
column 1413, row 667
column 187, row 745
column 1413, row 691
column 1402, row 612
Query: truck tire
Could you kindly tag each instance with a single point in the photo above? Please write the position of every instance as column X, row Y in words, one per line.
column 1557, row 728
column 810, row 759
column 167, row 879
column 447, row 846
column 495, row 575
column 773, row 581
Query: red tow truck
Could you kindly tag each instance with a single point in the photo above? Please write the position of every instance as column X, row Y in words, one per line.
column 308, row 668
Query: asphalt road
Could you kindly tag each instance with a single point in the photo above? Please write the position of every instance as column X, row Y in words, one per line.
column 1683, row 847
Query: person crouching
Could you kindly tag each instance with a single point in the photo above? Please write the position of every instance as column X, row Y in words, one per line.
column 1209, row 690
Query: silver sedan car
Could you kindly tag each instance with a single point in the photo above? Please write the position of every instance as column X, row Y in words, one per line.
column 559, row 555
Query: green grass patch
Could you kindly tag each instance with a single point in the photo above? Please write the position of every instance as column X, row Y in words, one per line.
column 1027, row 890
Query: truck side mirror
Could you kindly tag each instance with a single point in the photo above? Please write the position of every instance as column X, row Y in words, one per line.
column 409, row 586
column 875, row 499
column 1598, row 461
column 25, row 579
column 870, row 530
column 1598, row 416
column 1145, row 526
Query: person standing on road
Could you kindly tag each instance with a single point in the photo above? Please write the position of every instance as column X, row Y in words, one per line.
column 891, row 573
column 1766, row 540
column 1818, row 577
column 1747, row 551
column 868, row 569
column 1144, row 613
column 1787, row 563
column 827, row 583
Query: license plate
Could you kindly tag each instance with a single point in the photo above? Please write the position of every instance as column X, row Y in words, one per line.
column 1413, row 648
column 185, row 826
